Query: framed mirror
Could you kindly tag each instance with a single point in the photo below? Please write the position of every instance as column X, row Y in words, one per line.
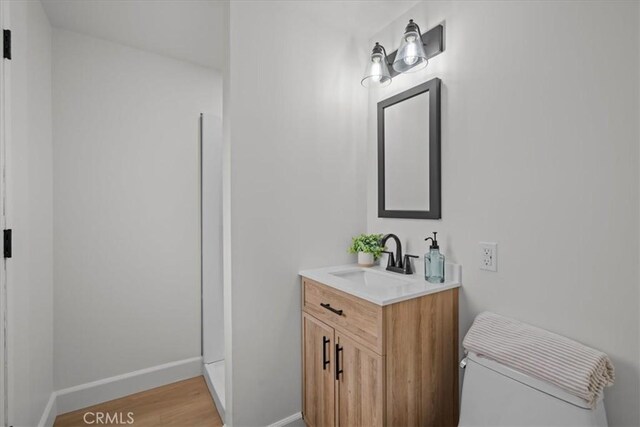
column 409, row 153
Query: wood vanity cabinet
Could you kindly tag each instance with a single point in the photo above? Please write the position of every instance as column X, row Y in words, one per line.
column 369, row 365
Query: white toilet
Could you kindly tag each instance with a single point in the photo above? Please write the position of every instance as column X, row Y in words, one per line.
column 495, row 395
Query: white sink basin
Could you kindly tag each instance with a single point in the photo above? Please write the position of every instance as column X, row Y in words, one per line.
column 369, row 278
column 379, row 286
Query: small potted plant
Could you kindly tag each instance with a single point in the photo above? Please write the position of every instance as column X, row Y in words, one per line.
column 368, row 248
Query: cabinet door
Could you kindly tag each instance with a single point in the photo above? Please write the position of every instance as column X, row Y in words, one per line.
column 318, row 402
column 360, row 384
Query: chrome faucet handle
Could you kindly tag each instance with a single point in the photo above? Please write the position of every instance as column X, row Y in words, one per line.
column 407, row 263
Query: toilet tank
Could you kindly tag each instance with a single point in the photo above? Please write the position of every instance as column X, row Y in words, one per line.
column 495, row 395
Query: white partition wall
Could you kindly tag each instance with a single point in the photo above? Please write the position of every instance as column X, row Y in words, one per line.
column 212, row 285
column 212, row 308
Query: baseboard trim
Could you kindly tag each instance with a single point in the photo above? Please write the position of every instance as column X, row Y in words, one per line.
column 285, row 421
column 84, row 395
column 213, row 392
column 50, row 412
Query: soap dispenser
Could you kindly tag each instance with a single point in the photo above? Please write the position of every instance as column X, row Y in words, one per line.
column 434, row 262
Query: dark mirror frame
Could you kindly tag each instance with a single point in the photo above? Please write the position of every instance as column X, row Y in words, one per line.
column 433, row 87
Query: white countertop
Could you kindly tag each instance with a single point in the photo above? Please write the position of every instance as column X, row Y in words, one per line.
column 386, row 287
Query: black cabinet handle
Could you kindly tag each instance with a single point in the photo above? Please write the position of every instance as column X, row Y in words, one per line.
column 338, row 369
column 328, row 307
column 325, row 362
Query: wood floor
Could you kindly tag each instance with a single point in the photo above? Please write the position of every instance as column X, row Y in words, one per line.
column 182, row 404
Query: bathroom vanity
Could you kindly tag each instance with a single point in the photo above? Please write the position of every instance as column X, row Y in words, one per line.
column 379, row 349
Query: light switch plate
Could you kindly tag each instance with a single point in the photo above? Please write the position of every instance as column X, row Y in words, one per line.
column 489, row 256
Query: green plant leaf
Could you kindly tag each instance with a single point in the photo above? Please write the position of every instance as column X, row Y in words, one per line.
column 368, row 243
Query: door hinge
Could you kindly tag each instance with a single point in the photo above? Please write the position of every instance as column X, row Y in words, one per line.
column 6, row 43
column 7, row 243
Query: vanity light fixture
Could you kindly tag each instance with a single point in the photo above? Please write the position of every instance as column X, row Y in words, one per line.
column 413, row 54
column 377, row 71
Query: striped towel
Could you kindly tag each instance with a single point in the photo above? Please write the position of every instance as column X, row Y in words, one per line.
column 574, row 367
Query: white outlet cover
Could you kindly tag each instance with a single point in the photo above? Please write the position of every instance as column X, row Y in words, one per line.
column 488, row 256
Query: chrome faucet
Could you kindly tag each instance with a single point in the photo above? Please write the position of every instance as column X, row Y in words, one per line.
column 397, row 264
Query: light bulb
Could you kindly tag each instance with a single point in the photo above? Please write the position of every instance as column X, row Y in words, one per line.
column 411, row 56
column 376, row 69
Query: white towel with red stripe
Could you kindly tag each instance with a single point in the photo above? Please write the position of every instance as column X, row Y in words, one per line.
column 574, row 367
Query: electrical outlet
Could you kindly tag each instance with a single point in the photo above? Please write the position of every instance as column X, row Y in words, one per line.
column 489, row 256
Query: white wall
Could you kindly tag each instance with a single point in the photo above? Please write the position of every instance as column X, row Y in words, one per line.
column 29, row 207
column 211, row 200
column 539, row 154
column 126, row 206
column 296, row 132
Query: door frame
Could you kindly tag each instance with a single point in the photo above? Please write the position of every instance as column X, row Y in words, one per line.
column 5, row 132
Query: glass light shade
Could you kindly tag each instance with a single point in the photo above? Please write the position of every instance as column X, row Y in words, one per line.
column 411, row 55
column 377, row 71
